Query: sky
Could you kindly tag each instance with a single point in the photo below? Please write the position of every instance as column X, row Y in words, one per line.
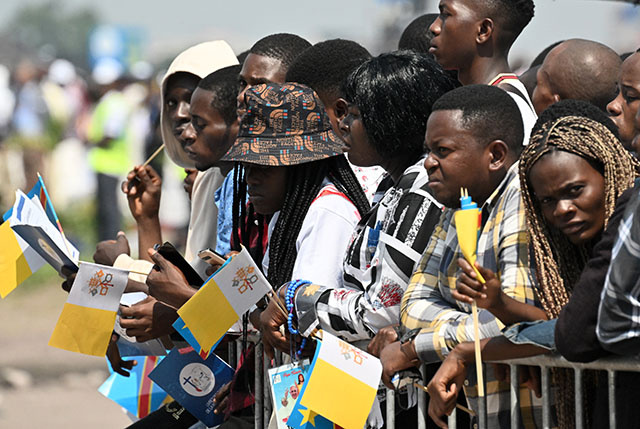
column 170, row 26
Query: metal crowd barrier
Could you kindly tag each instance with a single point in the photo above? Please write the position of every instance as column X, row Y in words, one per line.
column 545, row 362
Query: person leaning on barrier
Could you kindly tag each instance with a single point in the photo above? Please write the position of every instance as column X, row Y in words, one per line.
column 572, row 173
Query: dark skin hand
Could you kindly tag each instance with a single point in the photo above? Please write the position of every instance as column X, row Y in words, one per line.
column 445, row 386
column 491, row 297
column 222, row 399
column 167, row 283
column 396, row 357
column 70, row 278
column 107, row 251
column 118, row 365
column 142, row 188
column 189, row 179
column 383, row 338
column 148, row 319
column 270, row 321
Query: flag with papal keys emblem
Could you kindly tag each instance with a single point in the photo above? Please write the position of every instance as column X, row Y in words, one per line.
column 193, row 382
column 89, row 315
column 137, row 393
column 342, row 384
column 18, row 260
column 221, row 301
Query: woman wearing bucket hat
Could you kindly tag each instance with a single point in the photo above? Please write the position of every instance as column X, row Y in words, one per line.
column 293, row 169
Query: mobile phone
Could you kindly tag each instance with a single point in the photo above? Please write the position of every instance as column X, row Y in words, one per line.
column 211, row 257
column 172, row 255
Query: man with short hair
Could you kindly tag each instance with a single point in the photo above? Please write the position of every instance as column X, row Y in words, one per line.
column 577, row 69
column 474, row 137
column 474, row 37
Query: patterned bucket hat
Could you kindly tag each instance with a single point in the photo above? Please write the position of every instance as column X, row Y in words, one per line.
column 285, row 124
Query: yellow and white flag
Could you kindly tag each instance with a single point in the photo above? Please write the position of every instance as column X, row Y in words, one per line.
column 89, row 315
column 224, row 298
column 343, row 383
column 17, row 260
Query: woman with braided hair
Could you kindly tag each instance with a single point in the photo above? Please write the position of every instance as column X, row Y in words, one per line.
column 572, row 173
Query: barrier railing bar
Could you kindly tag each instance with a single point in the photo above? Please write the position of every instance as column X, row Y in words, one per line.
column 514, row 396
column 266, row 391
column 422, row 400
column 578, row 399
column 608, row 363
column 546, row 397
column 611, row 381
column 259, row 424
column 391, row 408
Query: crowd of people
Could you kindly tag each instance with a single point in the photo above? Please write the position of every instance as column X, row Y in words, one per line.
column 340, row 172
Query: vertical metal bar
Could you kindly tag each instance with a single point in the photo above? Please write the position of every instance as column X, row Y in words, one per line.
column 578, row 399
column 611, row 376
column 231, row 354
column 391, row 409
column 266, row 394
column 422, row 401
column 514, row 396
column 452, row 421
column 238, row 350
column 546, row 398
column 259, row 423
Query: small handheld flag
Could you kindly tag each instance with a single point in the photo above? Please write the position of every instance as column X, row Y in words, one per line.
column 468, row 227
column 342, row 383
column 89, row 315
column 224, row 298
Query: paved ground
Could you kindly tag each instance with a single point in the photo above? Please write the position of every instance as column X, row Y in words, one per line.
column 41, row 386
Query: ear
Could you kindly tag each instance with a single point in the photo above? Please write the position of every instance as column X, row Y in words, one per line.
column 340, row 108
column 485, row 31
column 498, row 153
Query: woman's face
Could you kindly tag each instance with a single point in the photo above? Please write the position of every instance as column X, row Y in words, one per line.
column 359, row 150
column 571, row 194
column 267, row 187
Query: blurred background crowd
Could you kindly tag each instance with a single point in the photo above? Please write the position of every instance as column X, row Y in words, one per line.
column 59, row 58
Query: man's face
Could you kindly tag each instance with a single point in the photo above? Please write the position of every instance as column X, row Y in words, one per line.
column 207, row 138
column 359, row 150
column 293, row 391
column 456, row 159
column 453, row 44
column 177, row 99
column 544, row 95
column 257, row 69
column 624, row 108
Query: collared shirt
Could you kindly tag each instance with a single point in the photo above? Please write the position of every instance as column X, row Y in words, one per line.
column 429, row 304
column 618, row 327
column 384, row 250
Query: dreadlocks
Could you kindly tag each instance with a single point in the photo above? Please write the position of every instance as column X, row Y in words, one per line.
column 304, row 182
column 558, row 262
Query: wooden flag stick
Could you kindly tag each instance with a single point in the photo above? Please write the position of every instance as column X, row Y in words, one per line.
column 461, row 407
column 153, row 155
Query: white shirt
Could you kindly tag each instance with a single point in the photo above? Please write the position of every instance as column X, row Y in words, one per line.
column 323, row 238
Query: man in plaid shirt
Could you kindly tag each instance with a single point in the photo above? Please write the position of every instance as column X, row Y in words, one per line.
column 474, row 137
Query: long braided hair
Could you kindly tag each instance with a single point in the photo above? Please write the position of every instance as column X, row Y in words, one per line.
column 304, row 182
column 559, row 262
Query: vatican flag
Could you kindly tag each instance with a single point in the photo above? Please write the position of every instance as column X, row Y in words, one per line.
column 89, row 315
column 342, row 383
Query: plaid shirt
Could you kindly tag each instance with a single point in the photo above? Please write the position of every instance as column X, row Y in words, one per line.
column 428, row 303
column 618, row 326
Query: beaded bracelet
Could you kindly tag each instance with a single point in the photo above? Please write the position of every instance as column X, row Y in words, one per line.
column 289, row 302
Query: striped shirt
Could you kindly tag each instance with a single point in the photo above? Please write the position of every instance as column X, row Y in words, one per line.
column 618, row 327
column 428, row 302
column 384, row 250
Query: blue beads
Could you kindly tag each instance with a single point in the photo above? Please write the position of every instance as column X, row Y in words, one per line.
column 289, row 302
